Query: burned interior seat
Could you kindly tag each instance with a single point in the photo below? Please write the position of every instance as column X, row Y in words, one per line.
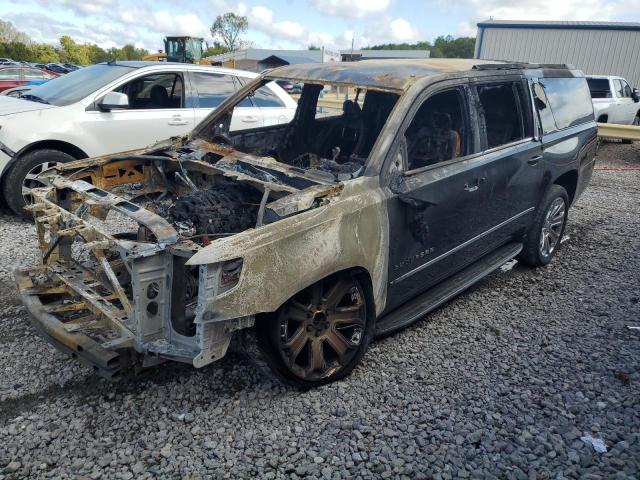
column 435, row 142
column 345, row 131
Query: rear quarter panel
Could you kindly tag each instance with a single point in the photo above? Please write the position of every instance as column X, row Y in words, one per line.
column 571, row 149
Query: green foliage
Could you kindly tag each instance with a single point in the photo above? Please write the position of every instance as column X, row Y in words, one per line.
column 228, row 28
column 442, row 47
column 18, row 46
column 216, row 49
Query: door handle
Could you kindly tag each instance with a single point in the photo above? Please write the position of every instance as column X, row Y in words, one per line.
column 249, row 119
column 475, row 185
column 534, row 160
column 177, row 120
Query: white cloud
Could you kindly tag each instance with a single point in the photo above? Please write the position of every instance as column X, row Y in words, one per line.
column 83, row 7
column 262, row 19
column 402, row 30
column 352, row 8
column 545, row 10
column 386, row 30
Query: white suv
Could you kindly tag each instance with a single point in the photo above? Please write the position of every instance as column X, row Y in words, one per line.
column 119, row 106
column 614, row 101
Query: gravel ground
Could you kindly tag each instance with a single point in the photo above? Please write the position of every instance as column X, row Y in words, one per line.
column 502, row 382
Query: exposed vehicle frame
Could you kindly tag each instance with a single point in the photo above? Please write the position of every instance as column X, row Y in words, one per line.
column 314, row 252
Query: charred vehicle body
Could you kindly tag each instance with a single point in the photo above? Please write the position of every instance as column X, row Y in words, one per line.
column 313, row 237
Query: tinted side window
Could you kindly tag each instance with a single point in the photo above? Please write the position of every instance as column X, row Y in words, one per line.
column 264, row 97
column 31, row 73
column 599, row 87
column 157, row 90
column 569, row 100
column 503, row 113
column 544, row 112
column 10, row 74
column 438, row 131
column 213, row 88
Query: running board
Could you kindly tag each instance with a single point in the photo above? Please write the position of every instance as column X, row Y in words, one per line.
column 416, row 308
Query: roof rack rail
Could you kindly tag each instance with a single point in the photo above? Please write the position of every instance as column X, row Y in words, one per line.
column 522, row 66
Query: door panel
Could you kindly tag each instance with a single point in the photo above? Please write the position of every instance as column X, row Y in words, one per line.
column 155, row 113
column 438, row 223
column 121, row 130
column 449, row 214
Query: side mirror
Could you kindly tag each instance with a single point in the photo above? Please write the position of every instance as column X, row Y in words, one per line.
column 114, row 101
column 635, row 95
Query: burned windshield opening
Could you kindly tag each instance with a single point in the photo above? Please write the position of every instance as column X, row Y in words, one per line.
column 332, row 132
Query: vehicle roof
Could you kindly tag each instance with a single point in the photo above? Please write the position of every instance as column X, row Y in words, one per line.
column 182, row 66
column 389, row 74
column 604, row 76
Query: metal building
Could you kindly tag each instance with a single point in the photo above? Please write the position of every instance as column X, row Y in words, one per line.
column 606, row 48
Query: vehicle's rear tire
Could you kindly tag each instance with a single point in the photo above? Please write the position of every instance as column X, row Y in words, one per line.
column 636, row 123
column 320, row 334
column 545, row 234
column 22, row 173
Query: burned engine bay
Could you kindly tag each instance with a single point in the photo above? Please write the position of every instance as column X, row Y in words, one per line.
column 118, row 234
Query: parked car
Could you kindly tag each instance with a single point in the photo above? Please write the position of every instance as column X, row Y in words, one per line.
column 71, row 67
column 57, row 68
column 11, row 77
column 614, row 101
column 17, row 91
column 316, row 235
column 111, row 107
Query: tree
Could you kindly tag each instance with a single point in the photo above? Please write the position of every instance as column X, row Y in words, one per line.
column 442, row 47
column 216, row 49
column 71, row 52
column 9, row 33
column 228, row 28
column 313, row 47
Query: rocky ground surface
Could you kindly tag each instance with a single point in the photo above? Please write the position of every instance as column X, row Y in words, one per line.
column 502, row 382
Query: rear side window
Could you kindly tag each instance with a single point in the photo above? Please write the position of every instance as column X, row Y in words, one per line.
column 10, row 74
column 503, row 112
column 213, row 88
column 265, row 97
column 569, row 100
column 599, row 87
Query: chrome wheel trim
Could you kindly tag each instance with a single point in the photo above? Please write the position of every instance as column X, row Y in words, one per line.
column 31, row 181
column 552, row 227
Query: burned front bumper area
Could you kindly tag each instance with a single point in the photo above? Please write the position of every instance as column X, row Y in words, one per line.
column 114, row 301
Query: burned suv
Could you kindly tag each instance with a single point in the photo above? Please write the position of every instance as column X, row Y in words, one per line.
column 397, row 185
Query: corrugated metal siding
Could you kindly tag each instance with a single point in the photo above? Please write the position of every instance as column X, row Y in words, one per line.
column 604, row 52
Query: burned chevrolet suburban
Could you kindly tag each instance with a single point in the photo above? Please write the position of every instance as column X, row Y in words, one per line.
column 397, row 185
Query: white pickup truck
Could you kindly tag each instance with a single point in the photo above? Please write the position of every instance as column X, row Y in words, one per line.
column 614, row 101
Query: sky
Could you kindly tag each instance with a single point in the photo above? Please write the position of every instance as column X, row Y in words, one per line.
column 290, row 23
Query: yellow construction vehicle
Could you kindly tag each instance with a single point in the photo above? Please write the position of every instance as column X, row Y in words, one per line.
column 180, row 49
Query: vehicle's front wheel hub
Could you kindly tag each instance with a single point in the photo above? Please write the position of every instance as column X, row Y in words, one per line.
column 319, row 324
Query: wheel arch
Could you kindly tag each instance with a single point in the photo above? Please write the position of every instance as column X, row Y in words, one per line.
column 60, row 145
column 360, row 272
column 604, row 118
column 65, row 147
column 568, row 181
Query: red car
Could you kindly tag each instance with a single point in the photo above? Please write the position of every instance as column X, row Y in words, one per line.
column 15, row 76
